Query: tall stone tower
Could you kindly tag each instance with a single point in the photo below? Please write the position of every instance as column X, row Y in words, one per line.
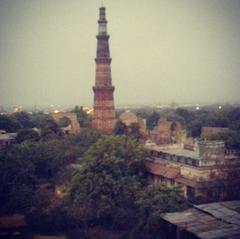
column 104, row 117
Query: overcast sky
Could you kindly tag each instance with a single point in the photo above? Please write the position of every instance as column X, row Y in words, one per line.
column 162, row 50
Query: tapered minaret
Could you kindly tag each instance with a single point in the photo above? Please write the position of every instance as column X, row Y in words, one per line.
column 104, row 112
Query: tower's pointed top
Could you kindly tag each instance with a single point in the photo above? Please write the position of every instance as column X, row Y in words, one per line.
column 102, row 4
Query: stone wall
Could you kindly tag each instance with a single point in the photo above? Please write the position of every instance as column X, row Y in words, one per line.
column 166, row 132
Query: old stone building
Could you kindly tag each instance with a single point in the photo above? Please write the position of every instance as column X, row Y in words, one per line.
column 129, row 118
column 166, row 132
column 104, row 117
column 74, row 127
column 6, row 139
column 207, row 132
column 192, row 170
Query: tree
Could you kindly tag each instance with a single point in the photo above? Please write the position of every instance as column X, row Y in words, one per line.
column 152, row 202
column 81, row 142
column 27, row 134
column 24, row 119
column 120, row 128
column 134, row 131
column 82, row 116
column 195, row 128
column 50, row 129
column 110, row 189
column 224, row 183
column 40, row 119
column 187, row 115
column 230, row 137
column 17, row 182
column 112, row 172
column 152, row 121
column 9, row 123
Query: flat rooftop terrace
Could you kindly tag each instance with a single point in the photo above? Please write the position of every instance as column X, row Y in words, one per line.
column 175, row 150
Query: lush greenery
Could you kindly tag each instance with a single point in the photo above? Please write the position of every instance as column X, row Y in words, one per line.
column 82, row 116
column 102, row 179
column 110, row 189
column 193, row 120
column 26, row 165
column 103, row 185
column 132, row 131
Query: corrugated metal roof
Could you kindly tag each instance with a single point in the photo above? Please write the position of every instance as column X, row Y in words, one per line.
column 209, row 221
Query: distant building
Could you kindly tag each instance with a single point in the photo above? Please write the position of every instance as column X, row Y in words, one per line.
column 192, row 170
column 6, row 139
column 73, row 127
column 166, row 132
column 205, row 221
column 209, row 131
column 129, row 118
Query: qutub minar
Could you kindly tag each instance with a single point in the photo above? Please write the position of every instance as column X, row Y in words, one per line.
column 104, row 117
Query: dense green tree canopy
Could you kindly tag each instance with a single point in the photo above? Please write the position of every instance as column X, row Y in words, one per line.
column 111, row 189
column 112, row 171
column 9, row 123
column 82, row 116
column 27, row 134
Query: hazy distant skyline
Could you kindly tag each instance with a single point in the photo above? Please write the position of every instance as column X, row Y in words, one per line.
column 162, row 51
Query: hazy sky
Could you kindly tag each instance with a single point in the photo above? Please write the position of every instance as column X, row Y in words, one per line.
column 162, row 50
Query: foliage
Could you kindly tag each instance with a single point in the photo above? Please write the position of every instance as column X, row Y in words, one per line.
column 83, row 141
column 50, row 129
column 120, row 128
column 17, row 182
column 27, row 134
column 39, row 119
column 27, row 164
column 152, row 202
column 110, row 189
column 23, row 119
column 64, row 122
column 50, row 219
column 230, row 137
column 9, row 124
column 82, row 116
column 132, row 131
column 152, row 120
column 24, row 166
column 112, row 171
column 224, row 184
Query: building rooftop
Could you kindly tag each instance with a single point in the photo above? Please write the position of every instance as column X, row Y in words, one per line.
column 209, row 221
column 175, row 150
column 8, row 136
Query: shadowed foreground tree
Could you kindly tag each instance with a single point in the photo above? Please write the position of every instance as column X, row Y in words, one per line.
column 110, row 189
column 9, row 124
column 120, row 128
column 112, row 172
column 152, row 202
column 224, row 184
column 27, row 134
column 132, row 130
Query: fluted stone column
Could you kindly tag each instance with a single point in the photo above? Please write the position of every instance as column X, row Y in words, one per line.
column 104, row 117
